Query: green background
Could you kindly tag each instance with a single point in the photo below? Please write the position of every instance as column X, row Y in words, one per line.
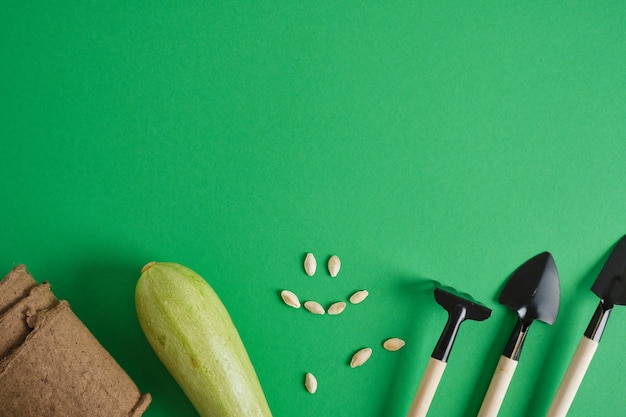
column 415, row 140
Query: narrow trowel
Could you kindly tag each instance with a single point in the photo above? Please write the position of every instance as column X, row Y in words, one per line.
column 533, row 291
column 610, row 286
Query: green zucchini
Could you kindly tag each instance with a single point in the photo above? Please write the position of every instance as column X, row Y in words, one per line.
column 193, row 335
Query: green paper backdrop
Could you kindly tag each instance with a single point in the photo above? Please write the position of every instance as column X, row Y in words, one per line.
column 417, row 141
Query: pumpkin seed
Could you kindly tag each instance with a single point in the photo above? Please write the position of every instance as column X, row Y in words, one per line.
column 358, row 296
column 393, row 344
column 360, row 357
column 334, row 265
column 290, row 298
column 336, row 308
column 310, row 264
column 314, row 307
column 310, row 382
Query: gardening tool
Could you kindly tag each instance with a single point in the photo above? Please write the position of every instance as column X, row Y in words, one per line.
column 610, row 286
column 460, row 307
column 533, row 291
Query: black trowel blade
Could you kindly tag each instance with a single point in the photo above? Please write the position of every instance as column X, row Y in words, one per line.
column 533, row 290
column 610, row 285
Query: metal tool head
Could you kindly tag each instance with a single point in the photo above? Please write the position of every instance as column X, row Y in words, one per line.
column 610, row 285
column 460, row 307
column 453, row 300
column 533, row 290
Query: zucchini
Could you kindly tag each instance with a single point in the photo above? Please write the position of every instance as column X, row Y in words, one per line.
column 193, row 335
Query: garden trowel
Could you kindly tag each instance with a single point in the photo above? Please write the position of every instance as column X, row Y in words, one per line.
column 533, row 291
column 610, row 286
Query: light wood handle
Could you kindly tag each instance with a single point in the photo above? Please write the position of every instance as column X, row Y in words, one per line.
column 573, row 377
column 498, row 387
column 428, row 386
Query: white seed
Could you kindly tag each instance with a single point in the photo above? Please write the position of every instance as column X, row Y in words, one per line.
column 290, row 298
column 393, row 344
column 310, row 382
column 336, row 308
column 360, row 357
column 314, row 307
column 334, row 265
column 359, row 296
column 310, row 264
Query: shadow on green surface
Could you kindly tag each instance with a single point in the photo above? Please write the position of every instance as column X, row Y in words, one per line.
column 101, row 293
column 490, row 361
column 416, row 292
column 492, row 355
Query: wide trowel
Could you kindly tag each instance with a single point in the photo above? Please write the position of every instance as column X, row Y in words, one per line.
column 460, row 307
column 533, row 291
column 610, row 286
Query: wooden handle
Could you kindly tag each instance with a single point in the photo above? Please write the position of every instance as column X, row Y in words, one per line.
column 428, row 386
column 573, row 377
column 498, row 387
